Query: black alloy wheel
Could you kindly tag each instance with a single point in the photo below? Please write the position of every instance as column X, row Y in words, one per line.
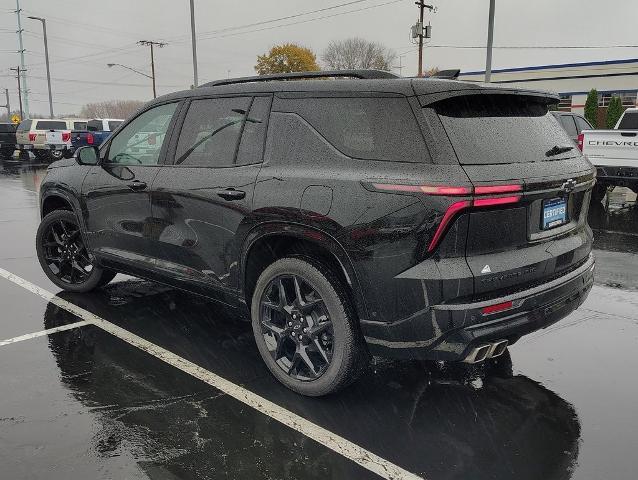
column 306, row 327
column 63, row 255
column 296, row 327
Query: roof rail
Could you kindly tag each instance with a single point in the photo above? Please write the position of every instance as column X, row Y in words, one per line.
column 358, row 74
column 449, row 74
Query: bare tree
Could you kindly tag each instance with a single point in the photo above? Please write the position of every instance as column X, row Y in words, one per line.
column 357, row 53
column 111, row 109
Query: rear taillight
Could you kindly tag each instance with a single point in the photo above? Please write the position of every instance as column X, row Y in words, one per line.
column 89, row 139
column 499, row 307
column 32, row 137
column 484, row 196
column 581, row 139
column 66, row 136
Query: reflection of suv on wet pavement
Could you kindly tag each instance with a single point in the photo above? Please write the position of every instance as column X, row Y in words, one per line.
column 412, row 218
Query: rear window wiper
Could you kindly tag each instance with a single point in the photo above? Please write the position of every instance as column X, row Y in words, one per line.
column 556, row 150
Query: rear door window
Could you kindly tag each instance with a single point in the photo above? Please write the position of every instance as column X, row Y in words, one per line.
column 50, row 125
column 211, row 131
column 251, row 147
column 629, row 121
column 365, row 128
column 500, row 128
column 567, row 121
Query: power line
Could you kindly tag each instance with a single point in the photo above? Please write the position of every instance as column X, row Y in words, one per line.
column 534, row 47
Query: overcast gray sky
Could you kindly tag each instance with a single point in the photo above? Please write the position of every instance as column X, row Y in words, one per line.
column 85, row 35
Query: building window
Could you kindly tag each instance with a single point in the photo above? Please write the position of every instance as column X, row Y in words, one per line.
column 565, row 102
column 628, row 99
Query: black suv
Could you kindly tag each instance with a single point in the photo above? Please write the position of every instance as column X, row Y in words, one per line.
column 411, row 218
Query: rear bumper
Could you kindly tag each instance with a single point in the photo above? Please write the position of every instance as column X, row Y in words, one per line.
column 532, row 310
column 47, row 147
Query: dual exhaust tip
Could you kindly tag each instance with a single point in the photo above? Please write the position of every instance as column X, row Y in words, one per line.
column 485, row 351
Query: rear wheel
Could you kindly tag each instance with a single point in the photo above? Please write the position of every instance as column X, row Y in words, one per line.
column 305, row 327
column 56, row 154
column 64, row 257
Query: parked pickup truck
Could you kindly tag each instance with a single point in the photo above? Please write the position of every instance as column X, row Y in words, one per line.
column 614, row 153
column 97, row 130
column 7, row 140
column 48, row 139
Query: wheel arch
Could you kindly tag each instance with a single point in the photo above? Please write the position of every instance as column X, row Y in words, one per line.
column 270, row 242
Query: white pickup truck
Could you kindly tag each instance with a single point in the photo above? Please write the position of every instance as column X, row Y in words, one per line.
column 614, row 153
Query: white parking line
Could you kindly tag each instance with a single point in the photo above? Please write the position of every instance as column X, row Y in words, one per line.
column 338, row 444
column 42, row 333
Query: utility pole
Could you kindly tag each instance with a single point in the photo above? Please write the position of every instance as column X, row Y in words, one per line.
column 46, row 56
column 490, row 40
column 18, row 70
column 420, row 31
column 24, row 76
column 152, row 43
column 8, row 107
column 194, row 43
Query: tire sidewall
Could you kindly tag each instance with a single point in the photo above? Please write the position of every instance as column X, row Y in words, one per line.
column 94, row 278
column 340, row 317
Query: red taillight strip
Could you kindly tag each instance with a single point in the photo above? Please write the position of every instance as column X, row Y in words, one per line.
column 450, row 213
column 444, row 190
column 489, row 202
column 494, row 189
column 580, row 141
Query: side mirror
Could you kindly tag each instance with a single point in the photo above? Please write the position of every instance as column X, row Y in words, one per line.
column 87, row 156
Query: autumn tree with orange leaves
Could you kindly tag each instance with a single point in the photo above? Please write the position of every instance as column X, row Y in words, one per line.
column 287, row 58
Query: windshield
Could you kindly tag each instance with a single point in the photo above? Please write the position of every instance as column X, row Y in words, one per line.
column 496, row 129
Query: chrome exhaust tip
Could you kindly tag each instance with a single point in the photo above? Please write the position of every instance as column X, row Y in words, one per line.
column 478, row 354
column 498, row 348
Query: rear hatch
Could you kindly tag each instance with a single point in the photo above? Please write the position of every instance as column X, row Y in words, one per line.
column 528, row 220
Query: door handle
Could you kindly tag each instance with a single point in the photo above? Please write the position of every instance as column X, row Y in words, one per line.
column 231, row 194
column 137, row 185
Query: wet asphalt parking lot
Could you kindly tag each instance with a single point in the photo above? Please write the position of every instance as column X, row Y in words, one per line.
column 156, row 383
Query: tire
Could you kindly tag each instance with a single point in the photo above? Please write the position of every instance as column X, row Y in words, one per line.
column 6, row 153
column 55, row 155
column 67, row 153
column 55, row 254
column 347, row 356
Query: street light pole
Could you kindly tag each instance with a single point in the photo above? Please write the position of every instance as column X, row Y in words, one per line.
column 194, row 43
column 152, row 43
column 46, row 57
column 490, row 41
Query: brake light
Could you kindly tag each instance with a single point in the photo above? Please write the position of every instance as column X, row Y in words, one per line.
column 32, row 137
column 581, row 139
column 89, row 138
column 499, row 307
column 66, row 136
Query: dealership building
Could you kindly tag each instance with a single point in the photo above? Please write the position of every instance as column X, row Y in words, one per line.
column 572, row 81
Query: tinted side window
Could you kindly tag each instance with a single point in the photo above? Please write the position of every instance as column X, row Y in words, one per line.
column 567, row 121
column 113, row 124
column 211, row 131
column 140, row 142
column 251, row 148
column 50, row 125
column 582, row 124
column 365, row 128
column 25, row 126
column 629, row 121
column 94, row 125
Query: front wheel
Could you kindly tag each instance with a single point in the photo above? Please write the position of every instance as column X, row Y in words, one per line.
column 305, row 327
column 63, row 255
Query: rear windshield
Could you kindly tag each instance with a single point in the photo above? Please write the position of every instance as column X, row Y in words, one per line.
column 113, row 124
column 50, row 125
column 629, row 121
column 24, row 126
column 365, row 128
column 7, row 127
column 79, row 125
column 493, row 129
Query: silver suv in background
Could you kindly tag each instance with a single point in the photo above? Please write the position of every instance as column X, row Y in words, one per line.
column 48, row 139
